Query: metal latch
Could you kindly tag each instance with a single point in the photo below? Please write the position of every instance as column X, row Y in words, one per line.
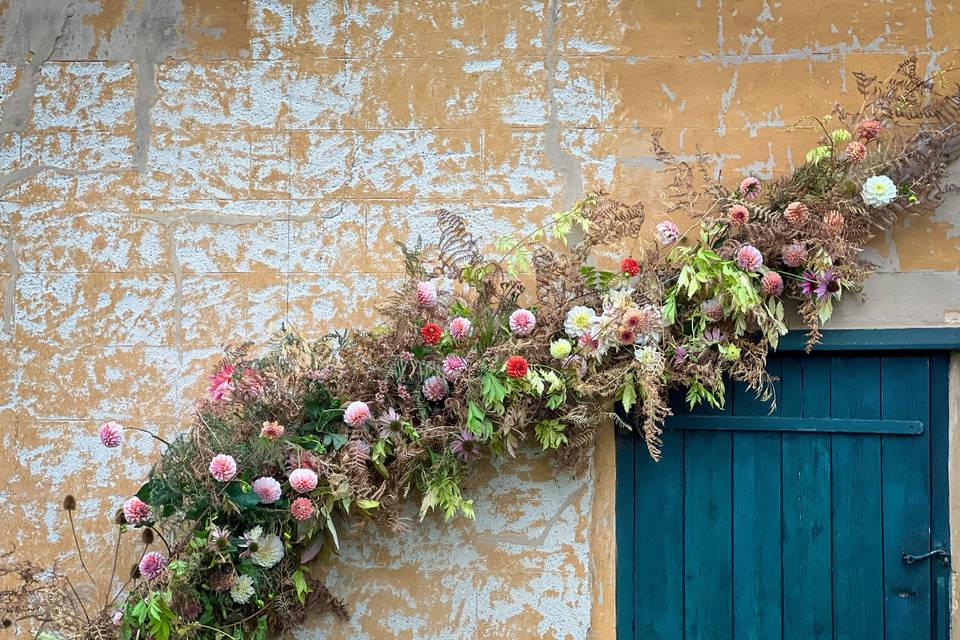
column 935, row 553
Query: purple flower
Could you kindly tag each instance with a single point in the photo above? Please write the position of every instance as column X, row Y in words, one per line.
column 750, row 188
column 465, row 446
column 821, row 285
column 679, row 355
column 714, row 335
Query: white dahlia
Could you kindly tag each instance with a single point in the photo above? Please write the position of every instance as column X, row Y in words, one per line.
column 242, row 589
column 579, row 321
column 269, row 551
column 878, row 191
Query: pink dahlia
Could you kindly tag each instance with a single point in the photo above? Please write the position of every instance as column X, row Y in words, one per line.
column 796, row 213
column 794, row 254
column 855, row 152
column 465, row 446
column 152, row 565
column 223, row 467
column 271, row 430
column 868, row 129
column 267, row 489
column 522, row 322
column 303, row 480
column 357, row 413
column 136, row 511
column 301, row 508
column 738, row 214
column 426, row 295
column 221, row 384
column 453, row 366
column 668, row 232
column 111, row 434
column 749, row 188
column 772, row 283
column 460, row 328
column 749, row 258
column 435, row 388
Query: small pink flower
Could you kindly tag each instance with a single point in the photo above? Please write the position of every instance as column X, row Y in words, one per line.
column 522, row 322
column 136, row 511
column 796, row 213
column 221, row 384
column 111, row 434
column 223, row 467
column 426, row 295
column 668, row 232
column 738, row 214
column 453, row 366
column 271, row 430
column 152, row 565
column 117, row 618
column 406, row 356
column 868, row 129
column 855, row 151
column 794, row 254
column 772, row 283
column 357, row 413
column 303, row 480
column 749, row 188
column 301, row 508
column 460, row 328
column 267, row 489
column 435, row 388
column 749, row 258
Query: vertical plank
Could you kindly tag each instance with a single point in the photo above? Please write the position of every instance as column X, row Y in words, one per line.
column 708, row 557
column 757, row 579
column 658, row 544
column 940, row 499
column 906, row 497
column 626, row 556
column 807, row 583
column 857, row 509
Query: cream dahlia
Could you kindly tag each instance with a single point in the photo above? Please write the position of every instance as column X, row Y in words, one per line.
column 878, row 191
column 242, row 589
column 560, row 348
column 579, row 321
column 268, row 551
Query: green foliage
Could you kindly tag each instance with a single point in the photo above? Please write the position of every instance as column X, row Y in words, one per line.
column 550, row 433
column 439, row 485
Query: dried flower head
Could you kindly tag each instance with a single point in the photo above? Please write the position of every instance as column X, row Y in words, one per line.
column 146, row 536
column 796, row 213
column 834, row 222
column 712, row 309
column 794, row 255
column 69, row 502
column 868, row 130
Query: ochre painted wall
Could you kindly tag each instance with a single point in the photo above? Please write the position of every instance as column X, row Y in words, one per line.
column 177, row 174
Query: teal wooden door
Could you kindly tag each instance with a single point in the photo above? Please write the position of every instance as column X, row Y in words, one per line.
column 793, row 524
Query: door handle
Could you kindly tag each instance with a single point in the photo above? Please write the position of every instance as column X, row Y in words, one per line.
column 935, row 553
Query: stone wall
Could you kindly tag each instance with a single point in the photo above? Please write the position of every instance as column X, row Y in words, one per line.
column 178, row 174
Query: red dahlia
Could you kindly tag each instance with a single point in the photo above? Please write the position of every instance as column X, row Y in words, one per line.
column 630, row 266
column 431, row 333
column 516, row 366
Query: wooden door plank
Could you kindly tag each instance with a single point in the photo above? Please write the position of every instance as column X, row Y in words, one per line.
column 658, row 542
column 807, row 582
column 857, row 508
column 906, row 498
column 626, row 555
column 708, row 558
column 940, row 499
column 757, row 578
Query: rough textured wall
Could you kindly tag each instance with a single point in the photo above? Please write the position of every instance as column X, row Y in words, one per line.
column 176, row 174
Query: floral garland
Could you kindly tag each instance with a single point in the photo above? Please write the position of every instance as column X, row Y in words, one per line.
column 287, row 447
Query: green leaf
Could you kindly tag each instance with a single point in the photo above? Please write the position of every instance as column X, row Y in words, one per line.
column 550, row 433
column 242, row 498
column 628, row 394
column 493, row 391
column 300, row 584
column 477, row 421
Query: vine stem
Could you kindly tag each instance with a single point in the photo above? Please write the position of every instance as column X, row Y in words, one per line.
column 149, row 433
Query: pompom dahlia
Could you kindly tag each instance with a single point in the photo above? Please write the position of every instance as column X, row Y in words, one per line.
column 667, row 232
column 303, row 480
column 794, row 254
column 301, row 508
column 772, row 283
column 878, row 191
column 221, row 384
column 465, row 446
column 111, row 434
column 855, row 152
column 460, row 328
column 271, row 430
column 242, row 589
column 431, row 333
column 522, row 322
column 356, row 414
column 152, row 565
column 868, row 130
column 738, row 214
column 223, row 467
column 629, row 266
column 749, row 258
column 517, row 366
column 579, row 321
column 749, row 188
column 426, row 295
column 453, row 366
column 560, row 348
column 435, row 388
column 136, row 511
column 796, row 213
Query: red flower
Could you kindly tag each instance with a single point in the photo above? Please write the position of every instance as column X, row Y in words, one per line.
column 516, row 366
column 630, row 266
column 431, row 333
